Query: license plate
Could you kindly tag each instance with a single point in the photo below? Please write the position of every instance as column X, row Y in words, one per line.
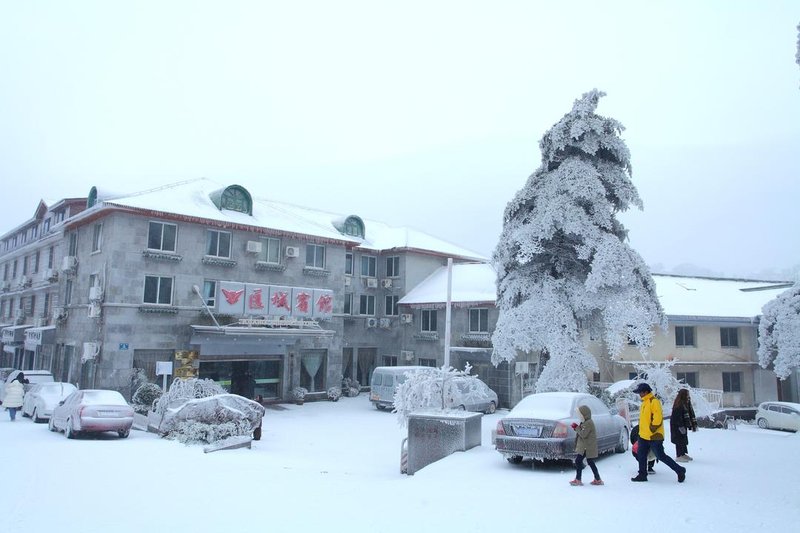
column 527, row 431
column 108, row 413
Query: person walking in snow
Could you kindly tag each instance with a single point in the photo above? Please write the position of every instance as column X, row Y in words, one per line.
column 14, row 394
column 681, row 422
column 651, row 434
column 585, row 446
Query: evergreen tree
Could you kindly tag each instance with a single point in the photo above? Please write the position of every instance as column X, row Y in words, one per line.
column 562, row 260
column 779, row 333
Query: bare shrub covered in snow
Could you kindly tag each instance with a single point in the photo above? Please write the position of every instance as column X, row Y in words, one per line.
column 435, row 389
column 562, row 260
column 779, row 333
column 145, row 395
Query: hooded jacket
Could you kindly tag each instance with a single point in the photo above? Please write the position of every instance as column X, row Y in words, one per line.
column 14, row 394
column 586, row 435
column 651, row 418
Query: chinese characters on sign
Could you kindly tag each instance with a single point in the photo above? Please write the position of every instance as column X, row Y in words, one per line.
column 248, row 299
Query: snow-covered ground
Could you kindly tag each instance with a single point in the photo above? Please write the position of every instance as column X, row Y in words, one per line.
column 335, row 467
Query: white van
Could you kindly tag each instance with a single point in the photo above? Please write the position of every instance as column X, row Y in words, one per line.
column 384, row 382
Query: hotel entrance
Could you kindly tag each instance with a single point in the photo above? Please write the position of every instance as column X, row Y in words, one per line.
column 247, row 378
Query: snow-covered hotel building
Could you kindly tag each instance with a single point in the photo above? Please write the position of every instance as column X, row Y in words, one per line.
column 95, row 287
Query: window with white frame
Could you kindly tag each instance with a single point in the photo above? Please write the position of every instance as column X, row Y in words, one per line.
column 162, row 236
column 271, row 250
column 729, row 337
column 97, row 237
column 390, row 308
column 94, row 279
column 684, row 336
column 210, row 293
column 315, row 256
column 348, row 303
column 72, row 248
column 366, row 305
column 369, row 266
column 348, row 263
column 389, row 360
column 218, row 243
column 428, row 320
column 479, row 321
column 157, row 290
column 393, row 266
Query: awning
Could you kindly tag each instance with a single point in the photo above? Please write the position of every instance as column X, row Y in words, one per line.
column 249, row 341
column 35, row 337
column 15, row 334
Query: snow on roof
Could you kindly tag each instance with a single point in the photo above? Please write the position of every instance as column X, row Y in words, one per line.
column 192, row 199
column 474, row 282
column 679, row 296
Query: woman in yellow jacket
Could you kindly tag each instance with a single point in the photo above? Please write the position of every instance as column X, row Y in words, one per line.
column 651, row 434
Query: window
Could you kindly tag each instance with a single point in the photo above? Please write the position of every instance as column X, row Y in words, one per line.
column 348, row 263
column 157, row 290
column 210, row 292
column 97, row 237
column 393, row 266
column 36, row 258
column 731, row 382
column 390, row 308
column 271, row 250
column 369, row 266
column 93, row 280
column 684, row 335
column 366, row 305
column 46, row 305
column 315, row 256
column 729, row 337
column 348, row 303
column 479, row 321
column 5, row 272
column 690, row 378
column 353, row 225
column 51, row 254
column 14, row 270
column 236, row 198
column 218, row 243
column 162, row 236
column 427, row 362
column 68, row 292
column 389, row 360
column 72, row 248
column 25, row 266
column 46, row 226
column 429, row 320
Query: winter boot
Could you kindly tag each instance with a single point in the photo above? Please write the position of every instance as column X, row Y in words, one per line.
column 576, row 483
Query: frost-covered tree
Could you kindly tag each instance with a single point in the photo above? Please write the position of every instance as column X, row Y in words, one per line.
column 562, row 260
column 779, row 333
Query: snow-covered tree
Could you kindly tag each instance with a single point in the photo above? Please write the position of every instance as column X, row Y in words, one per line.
column 562, row 260
column 779, row 333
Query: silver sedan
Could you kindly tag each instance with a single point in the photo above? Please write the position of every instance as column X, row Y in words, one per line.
column 92, row 411
column 42, row 398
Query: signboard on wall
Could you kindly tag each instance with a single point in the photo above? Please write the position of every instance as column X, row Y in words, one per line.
column 257, row 300
column 252, row 299
column 323, row 304
column 280, row 300
column 302, row 302
column 231, row 297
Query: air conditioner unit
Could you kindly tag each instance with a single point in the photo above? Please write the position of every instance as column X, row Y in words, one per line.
column 522, row 367
column 48, row 274
column 372, row 322
column 385, row 323
column 253, row 247
column 292, row 251
column 406, row 318
column 95, row 293
column 25, row 281
column 59, row 313
column 386, row 283
column 90, row 351
column 348, row 281
column 94, row 310
column 372, row 283
column 408, row 355
column 69, row 262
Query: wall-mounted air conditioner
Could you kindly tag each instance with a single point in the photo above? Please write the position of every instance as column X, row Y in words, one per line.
column 372, row 283
column 48, row 274
column 95, row 293
column 385, row 323
column 59, row 314
column 407, row 355
column 25, row 281
column 94, row 310
column 386, row 283
column 522, row 367
column 292, row 251
column 69, row 262
column 5, row 286
column 253, row 247
column 406, row 318
column 90, row 351
column 372, row 322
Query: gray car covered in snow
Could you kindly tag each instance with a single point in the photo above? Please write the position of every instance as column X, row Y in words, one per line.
column 539, row 427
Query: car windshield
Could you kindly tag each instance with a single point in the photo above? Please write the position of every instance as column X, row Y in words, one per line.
column 544, row 406
column 103, row 397
column 55, row 389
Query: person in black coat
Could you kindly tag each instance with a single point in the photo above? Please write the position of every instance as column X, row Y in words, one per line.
column 681, row 422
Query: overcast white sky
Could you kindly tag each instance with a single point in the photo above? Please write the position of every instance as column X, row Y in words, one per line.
column 426, row 114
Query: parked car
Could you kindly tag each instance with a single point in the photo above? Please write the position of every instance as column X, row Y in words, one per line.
column 779, row 415
column 539, row 427
column 92, row 411
column 477, row 397
column 42, row 398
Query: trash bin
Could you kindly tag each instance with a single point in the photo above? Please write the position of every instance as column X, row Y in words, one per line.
column 432, row 436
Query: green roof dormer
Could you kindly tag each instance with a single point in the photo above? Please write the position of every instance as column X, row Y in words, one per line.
column 233, row 198
column 351, row 225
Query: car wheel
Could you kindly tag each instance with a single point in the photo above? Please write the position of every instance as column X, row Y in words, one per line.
column 379, row 407
column 68, row 431
column 622, row 445
column 492, row 408
column 51, row 425
column 763, row 424
column 35, row 416
column 123, row 434
column 514, row 459
column 462, row 408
